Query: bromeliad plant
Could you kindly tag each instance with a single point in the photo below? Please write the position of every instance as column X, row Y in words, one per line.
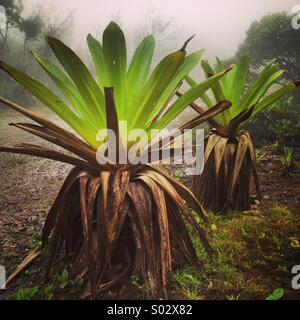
column 113, row 220
column 229, row 155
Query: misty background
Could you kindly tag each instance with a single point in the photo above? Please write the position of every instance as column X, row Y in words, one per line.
column 226, row 29
column 219, row 25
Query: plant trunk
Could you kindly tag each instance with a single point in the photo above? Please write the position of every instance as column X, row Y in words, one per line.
column 119, row 224
column 226, row 181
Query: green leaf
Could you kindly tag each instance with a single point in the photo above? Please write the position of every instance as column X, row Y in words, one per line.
column 61, row 80
column 20, row 294
column 115, row 57
column 191, row 81
column 63, row 285
column 247, row 100
column 189, row 63
column 216, row 87
column 53, row 102
column 192, row 94
column 264, row 88
column 205, row 98
column 155, row 86
column 228, row 81
column 65, row 275
column 27, row 293
column 82, row 78
column 271, row 98
column 139, row 69
column 67, row 87
column 276, row 295
column 98, row 59
column 219, row 65
column 32, row 292
column 239, row 80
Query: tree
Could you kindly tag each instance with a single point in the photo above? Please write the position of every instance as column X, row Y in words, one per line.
column 13, row 9
column 273, row 37
column 32, row 27
column 21, row 35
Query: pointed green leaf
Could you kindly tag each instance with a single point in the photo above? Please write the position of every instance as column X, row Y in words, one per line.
column 61, row 80
column 205, row 98
column 115, row 57
column 247, row 99
column 228, row 81
column 67, row 87
column 53, row 102
column 139, row 69
column 217, row 87
column 271, row 98
column 267, row 85
column 191, row 95
column 191, row 81
column 82, row 78
column 155, row 86
column 239, row 80
column 98, row 59
column 217, row 90
column 189, row 63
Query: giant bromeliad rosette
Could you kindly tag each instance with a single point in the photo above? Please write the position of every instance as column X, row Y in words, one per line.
column 113, row 220
column 229, row 153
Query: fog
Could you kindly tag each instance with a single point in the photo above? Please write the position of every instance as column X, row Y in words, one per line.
column 220, row 25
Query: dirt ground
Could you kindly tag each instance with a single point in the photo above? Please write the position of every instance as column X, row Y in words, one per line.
column 28, row 187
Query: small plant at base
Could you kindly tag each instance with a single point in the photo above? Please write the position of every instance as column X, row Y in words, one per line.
column 49, row 292
column 62, row 280
column 36, row 241
column 259, row 154
column 276, row 294
column 26, row 293
column 144, row 288
column 233, row 297
column 187, row 283
column 286, row 159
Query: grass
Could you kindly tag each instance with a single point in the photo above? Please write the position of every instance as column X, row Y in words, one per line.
column 280, row 212
column 188, row 283
column 254, row 252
